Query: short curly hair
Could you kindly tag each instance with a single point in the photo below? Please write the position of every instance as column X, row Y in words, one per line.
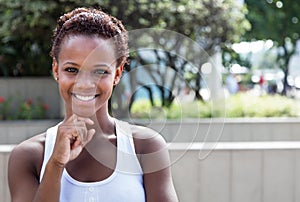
column 91, row 22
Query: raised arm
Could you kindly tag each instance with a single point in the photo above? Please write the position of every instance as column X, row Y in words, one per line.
column 24, row 171
column 26, row 160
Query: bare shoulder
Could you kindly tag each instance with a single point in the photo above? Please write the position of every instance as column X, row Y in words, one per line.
column 31, row 145
column 147, row 140
column 29, row 152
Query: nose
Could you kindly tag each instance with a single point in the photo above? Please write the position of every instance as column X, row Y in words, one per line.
column 84, row 80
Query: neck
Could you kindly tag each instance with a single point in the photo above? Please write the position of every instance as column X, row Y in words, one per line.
column 103, row 122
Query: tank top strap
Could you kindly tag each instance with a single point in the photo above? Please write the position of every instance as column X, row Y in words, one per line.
column 127, row 160
column 49, row 145
column 124, row 131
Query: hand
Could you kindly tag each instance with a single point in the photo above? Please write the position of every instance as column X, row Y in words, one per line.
column 72, row 136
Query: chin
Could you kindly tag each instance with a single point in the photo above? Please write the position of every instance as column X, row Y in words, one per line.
column 85, row 113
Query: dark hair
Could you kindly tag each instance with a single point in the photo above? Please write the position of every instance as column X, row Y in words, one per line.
column 91, row 22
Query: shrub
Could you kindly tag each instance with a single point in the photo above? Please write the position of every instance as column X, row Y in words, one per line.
column 15, row 108
column 235, row 106
column 247, row 105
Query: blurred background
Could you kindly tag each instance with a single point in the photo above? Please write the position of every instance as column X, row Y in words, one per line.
column 252, row 45
column 221, row 84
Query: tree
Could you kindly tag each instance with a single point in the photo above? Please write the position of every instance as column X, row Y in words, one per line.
column 212, row 24
column 27, row 29
column 279, row 21
column 25, row 35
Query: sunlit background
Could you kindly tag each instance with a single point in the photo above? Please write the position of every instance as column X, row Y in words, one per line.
column 219, row 79
column 251, row 49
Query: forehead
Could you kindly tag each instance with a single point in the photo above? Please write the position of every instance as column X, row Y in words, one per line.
column 80, row 48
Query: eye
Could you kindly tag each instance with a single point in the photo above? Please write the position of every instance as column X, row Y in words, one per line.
column 71, row 70
column 100, row 71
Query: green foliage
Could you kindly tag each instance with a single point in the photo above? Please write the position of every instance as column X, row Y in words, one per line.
column 236, row 106
column 197, row 109
column 273, row 19
column 26, row 27
column 279, row 21
column 247, row 105
column 15, row 108
column 5, row 105
column 25, row 35
column 230, row 57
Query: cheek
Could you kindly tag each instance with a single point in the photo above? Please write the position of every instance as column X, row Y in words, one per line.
column 106, row 82
column 64, row 85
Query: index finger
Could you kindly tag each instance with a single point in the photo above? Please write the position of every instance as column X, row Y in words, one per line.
column 84, row 119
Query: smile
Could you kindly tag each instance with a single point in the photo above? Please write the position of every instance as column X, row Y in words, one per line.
column 85, row 98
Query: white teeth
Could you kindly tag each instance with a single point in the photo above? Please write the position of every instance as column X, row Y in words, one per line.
column 84, row 98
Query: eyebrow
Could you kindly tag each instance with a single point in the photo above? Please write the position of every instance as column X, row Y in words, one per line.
column 96, row 65
column 70, row 63
column 103, row 64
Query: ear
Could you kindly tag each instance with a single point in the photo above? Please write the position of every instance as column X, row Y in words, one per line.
column 118, row 74
column 55, row 69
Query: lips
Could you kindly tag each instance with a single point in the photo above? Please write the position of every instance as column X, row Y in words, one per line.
column 84, row 98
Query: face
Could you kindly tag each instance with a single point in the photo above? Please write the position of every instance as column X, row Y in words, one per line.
column 86, row 71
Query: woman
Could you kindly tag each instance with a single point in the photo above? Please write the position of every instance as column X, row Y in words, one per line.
column 90, row 156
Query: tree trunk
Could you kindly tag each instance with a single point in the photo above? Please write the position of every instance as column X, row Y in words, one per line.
column 198, row 96
column 285, row 67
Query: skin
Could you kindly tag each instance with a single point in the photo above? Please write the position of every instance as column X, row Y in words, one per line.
column 86, row 66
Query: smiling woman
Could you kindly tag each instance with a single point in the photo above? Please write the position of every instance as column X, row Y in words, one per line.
column 90, row 156
column 86, row 74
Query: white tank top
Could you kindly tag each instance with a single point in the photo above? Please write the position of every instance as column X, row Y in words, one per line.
column 125, row 183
